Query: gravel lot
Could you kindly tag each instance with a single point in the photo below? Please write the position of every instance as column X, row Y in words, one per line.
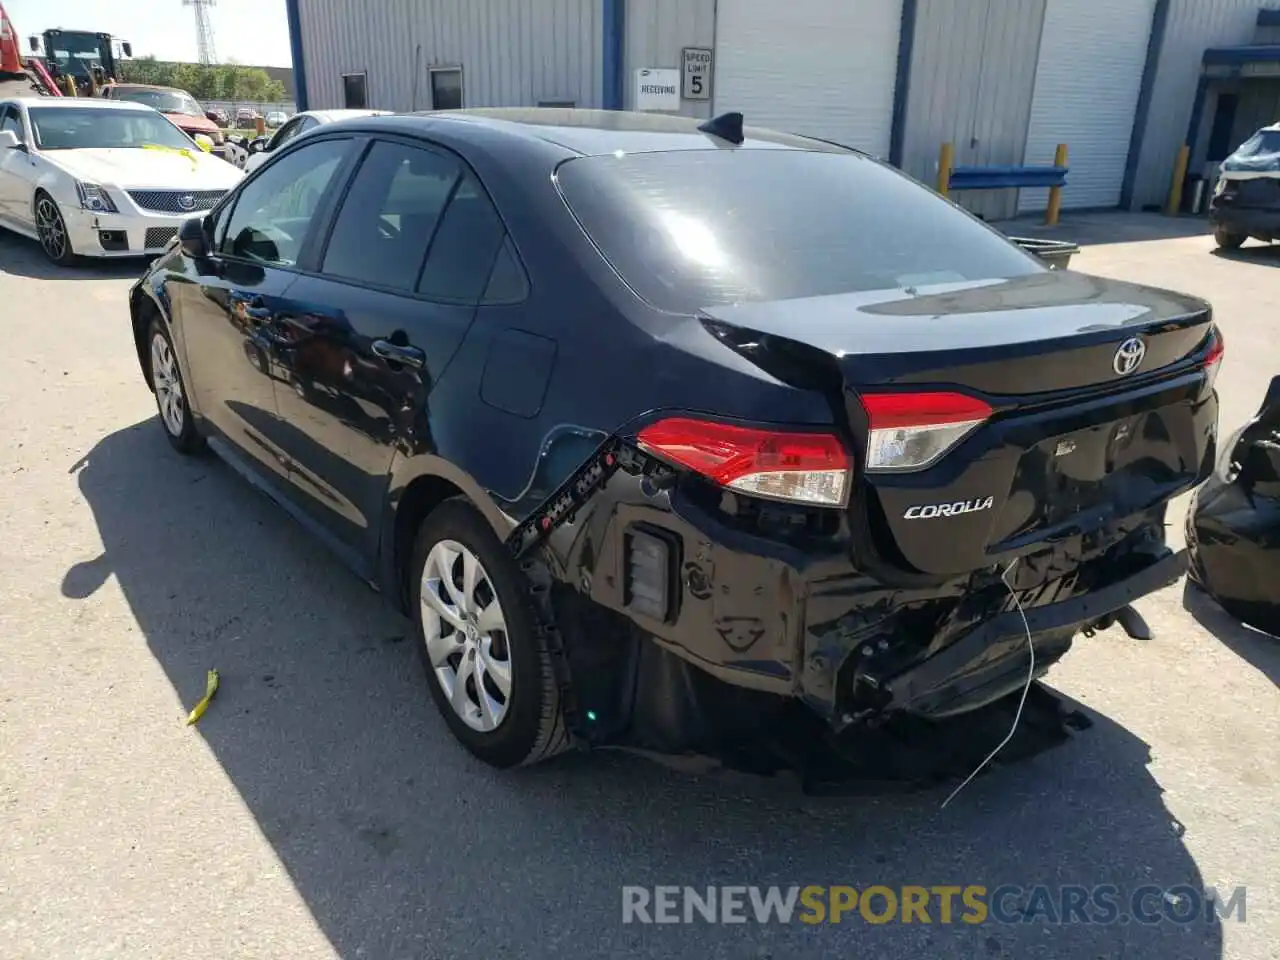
column 320, row 809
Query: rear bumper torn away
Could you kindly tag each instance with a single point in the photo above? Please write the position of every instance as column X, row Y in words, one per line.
column 679, row 625
column 991, row 660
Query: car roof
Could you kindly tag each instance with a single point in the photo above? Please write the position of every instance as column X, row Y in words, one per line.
column 597, row 132
column 333, row 116
column 145, row 86
column 58, row 103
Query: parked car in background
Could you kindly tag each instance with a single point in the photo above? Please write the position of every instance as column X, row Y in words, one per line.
column 277, row 118
column 246, row 118
column 655, row 453
column 1246, row 198
column 249, row 154
column 178, row 105
column 219, row 116
column 101, row 178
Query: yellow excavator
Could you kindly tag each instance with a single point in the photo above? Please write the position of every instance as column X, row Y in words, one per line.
column 81, row 62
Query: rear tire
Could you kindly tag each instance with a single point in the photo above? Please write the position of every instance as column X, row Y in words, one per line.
column 476, row 636
column 1226, row 240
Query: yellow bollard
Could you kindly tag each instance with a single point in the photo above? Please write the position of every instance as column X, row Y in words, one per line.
column 946, row 160
column 1179, row 177
column 70, row 86
column 1055, row 193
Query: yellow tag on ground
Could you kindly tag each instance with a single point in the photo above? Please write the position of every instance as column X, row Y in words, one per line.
column 211, row 687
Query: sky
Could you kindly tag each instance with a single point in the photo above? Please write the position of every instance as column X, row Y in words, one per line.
column 248, row 31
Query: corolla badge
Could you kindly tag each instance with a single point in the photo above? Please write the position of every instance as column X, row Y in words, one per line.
column 1128, row 356
column 928, row 511
column 187, row 202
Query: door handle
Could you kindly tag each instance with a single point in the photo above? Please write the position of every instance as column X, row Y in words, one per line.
column 395, row 353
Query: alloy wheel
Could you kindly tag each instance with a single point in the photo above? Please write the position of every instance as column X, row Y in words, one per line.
column 168, row 384
column 466, row 635
column 50, row 228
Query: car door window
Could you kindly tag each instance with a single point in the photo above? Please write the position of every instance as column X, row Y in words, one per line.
column 463, row 251
column 389, row 216
column 275, row 209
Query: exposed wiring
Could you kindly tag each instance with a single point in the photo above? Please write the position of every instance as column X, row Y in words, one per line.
column 1031, row 673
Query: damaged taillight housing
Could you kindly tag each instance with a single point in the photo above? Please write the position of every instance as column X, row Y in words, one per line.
column 911, row 431
column 797, row 467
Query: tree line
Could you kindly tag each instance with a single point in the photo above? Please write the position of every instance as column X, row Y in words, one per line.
column 219, row 81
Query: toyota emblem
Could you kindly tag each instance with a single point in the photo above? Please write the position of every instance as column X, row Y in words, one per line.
column 187, row 202
column 1129, row 356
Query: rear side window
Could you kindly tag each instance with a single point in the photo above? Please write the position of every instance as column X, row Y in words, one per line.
column 390, row 215
column 689, row 229
column 10, row 119
column 463, row 251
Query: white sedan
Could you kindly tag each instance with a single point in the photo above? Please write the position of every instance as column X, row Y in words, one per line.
column 250, row 154
column 101, row 178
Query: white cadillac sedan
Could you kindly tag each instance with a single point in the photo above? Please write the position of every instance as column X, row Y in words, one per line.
column 101, row 178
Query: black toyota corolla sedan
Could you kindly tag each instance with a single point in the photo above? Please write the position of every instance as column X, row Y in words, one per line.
column 665, row 432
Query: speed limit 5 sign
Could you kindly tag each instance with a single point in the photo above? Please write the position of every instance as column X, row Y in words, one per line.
column 696, row 73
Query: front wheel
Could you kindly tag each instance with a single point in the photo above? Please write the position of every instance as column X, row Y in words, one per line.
column 52, row 231
column 488, row 671
column 1226, row 239
column 171, row 394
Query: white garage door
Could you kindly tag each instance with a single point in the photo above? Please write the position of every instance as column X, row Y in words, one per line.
column 825, row 68
column 1092, row 54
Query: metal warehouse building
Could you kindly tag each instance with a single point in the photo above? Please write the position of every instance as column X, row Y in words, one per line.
column 1004, row 81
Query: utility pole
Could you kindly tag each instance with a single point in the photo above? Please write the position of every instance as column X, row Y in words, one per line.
column 204, row 30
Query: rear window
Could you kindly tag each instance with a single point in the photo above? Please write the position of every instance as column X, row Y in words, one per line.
column 691, row 229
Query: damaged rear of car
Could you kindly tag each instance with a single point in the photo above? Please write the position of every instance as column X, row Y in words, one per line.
column 732, row 442
column 1246, row 198
column 879, row 445
column 1233, row 526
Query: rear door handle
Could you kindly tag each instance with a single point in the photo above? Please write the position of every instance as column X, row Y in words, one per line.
column 395, row 353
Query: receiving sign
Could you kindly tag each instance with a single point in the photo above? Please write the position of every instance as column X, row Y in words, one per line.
column 696, row 73
column 657, row 89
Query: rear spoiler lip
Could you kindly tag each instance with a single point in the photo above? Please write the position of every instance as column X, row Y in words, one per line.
column 859, row 325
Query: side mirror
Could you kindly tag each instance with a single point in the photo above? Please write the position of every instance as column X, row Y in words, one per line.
column 9, row 141
column 35, row 44
column 194, row 239
column 258, row 145
column 127, row 48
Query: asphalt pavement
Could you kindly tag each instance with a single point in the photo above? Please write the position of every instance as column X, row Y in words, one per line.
column 320, row 809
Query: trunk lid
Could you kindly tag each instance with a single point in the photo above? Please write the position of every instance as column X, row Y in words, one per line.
column 1081, row 436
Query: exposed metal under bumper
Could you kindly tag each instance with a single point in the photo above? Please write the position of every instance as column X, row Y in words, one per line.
column 990, row 661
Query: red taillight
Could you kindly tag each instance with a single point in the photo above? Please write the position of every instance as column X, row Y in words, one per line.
column 1213, row 359
column 1217, row 349
column 908, row 431
column 782, row 465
